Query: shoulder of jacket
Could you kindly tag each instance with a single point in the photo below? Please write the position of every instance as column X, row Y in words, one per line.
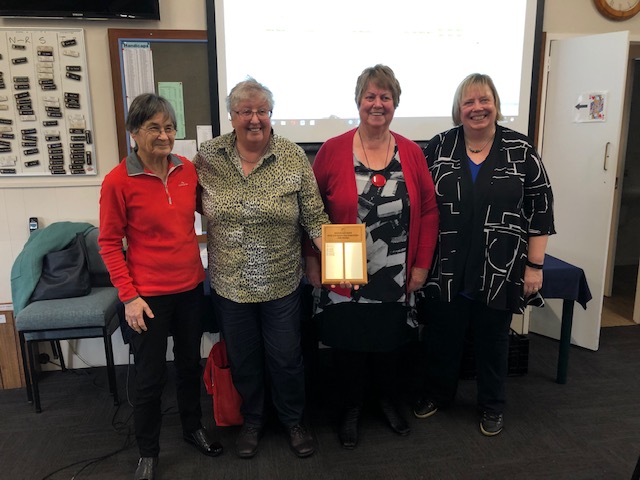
column 338, row 142
column 509, row 134
column 283, row 143
column 221, row 141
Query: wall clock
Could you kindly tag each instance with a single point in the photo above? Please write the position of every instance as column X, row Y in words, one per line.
column 618, row 9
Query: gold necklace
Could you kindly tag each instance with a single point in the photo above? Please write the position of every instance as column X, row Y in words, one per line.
column 478, row 150
column 244, row 159
column 377, row 179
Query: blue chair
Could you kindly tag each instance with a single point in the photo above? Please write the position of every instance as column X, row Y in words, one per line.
column 94, row 315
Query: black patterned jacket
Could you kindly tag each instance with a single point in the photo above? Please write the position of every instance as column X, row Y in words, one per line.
column 485, row 226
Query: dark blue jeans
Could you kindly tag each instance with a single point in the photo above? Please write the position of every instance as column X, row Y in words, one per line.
column 445, row 328
column 179, row 315
column 264, row 338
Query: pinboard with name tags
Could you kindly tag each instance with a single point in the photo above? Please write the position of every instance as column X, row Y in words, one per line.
column 45, row 109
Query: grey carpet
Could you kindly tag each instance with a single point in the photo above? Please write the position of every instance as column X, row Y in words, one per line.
column 586, row 429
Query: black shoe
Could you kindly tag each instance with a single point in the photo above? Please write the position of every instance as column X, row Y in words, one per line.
column 396, row 422
column 491, row 423
column 424, row 408
column 301, row 441
column 146, row 468
column 348, row 433
column 247, row 442
column 201, row 440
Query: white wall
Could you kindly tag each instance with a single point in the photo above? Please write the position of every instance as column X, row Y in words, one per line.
column 52, row 199
column 581, row 16
column 47, row 199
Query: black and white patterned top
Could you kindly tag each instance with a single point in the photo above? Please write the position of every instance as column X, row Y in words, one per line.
column 385, row 213
column 485, row 225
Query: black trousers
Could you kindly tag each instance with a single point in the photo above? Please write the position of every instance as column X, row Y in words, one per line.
column 179, row 315
column 446, row 325
column 358, row 370
column 264, row 339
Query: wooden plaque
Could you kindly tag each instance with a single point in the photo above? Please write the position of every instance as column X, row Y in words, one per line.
column 344, row 254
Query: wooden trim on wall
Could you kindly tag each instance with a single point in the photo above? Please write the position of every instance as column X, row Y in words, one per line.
column 115, row 36
column 538, row 110
column 537, row 74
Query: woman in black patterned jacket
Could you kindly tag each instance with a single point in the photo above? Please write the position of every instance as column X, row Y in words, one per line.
column 496, row 213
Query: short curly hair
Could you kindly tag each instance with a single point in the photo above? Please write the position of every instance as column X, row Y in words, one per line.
column 248, row 89
column 146, row 106
column 381, row 76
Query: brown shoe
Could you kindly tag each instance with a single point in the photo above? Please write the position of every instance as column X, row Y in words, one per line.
column 247, row 442
column 301, row 441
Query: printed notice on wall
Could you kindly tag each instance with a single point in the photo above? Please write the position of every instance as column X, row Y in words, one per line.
column 137, row 60
column 591, row 107
column 45, row 109
column 172, row 91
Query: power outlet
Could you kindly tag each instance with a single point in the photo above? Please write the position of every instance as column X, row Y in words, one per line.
column 33, row 224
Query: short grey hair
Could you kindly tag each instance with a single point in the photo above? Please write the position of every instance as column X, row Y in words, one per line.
column 146, row 106
column 470, row 81
column 381, row 76
column 248, row 89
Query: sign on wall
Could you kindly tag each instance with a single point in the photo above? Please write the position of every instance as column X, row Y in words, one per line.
column 591, row 107
column 45, row 108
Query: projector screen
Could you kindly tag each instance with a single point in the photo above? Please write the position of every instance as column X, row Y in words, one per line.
column 309, row 54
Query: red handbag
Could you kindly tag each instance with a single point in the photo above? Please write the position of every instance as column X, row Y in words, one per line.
column 217, row 379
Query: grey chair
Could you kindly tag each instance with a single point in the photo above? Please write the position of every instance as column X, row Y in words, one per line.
column 94, row 315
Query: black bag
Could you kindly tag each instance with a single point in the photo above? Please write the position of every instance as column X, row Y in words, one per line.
column 65, row 273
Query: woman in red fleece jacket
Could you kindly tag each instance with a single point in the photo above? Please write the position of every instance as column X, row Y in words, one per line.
column 150, row 199
column 373, row 176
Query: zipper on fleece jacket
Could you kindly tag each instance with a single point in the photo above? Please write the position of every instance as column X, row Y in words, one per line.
column 165, row 183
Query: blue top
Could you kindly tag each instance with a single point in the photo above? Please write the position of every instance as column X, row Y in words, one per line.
column 474, row 169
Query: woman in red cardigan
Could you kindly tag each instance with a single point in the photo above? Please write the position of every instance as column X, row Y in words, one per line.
column 373, row 176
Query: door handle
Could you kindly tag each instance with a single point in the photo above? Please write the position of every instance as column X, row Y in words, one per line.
column 606, row 155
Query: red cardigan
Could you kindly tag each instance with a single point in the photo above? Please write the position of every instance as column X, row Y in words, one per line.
column 333, row 167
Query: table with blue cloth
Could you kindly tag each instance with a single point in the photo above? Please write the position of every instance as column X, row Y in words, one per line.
column 568, row 282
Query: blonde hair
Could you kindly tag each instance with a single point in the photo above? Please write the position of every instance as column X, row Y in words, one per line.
column 470, row 81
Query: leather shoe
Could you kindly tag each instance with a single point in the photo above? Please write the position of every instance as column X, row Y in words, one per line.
column 201, row 440
column 146, row 468
column 301, row 441
column 348, row 433
column 247, row 442
column 396, row 422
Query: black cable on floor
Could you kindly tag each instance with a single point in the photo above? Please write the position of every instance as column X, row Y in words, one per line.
column 121, row 427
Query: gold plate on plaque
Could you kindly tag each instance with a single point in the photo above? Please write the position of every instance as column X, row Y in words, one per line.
column 344, row 254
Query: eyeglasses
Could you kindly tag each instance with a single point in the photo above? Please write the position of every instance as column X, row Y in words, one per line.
column 153, row 130
column 247, row 114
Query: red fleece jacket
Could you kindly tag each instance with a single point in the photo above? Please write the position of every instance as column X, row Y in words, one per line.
column 163, row 256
